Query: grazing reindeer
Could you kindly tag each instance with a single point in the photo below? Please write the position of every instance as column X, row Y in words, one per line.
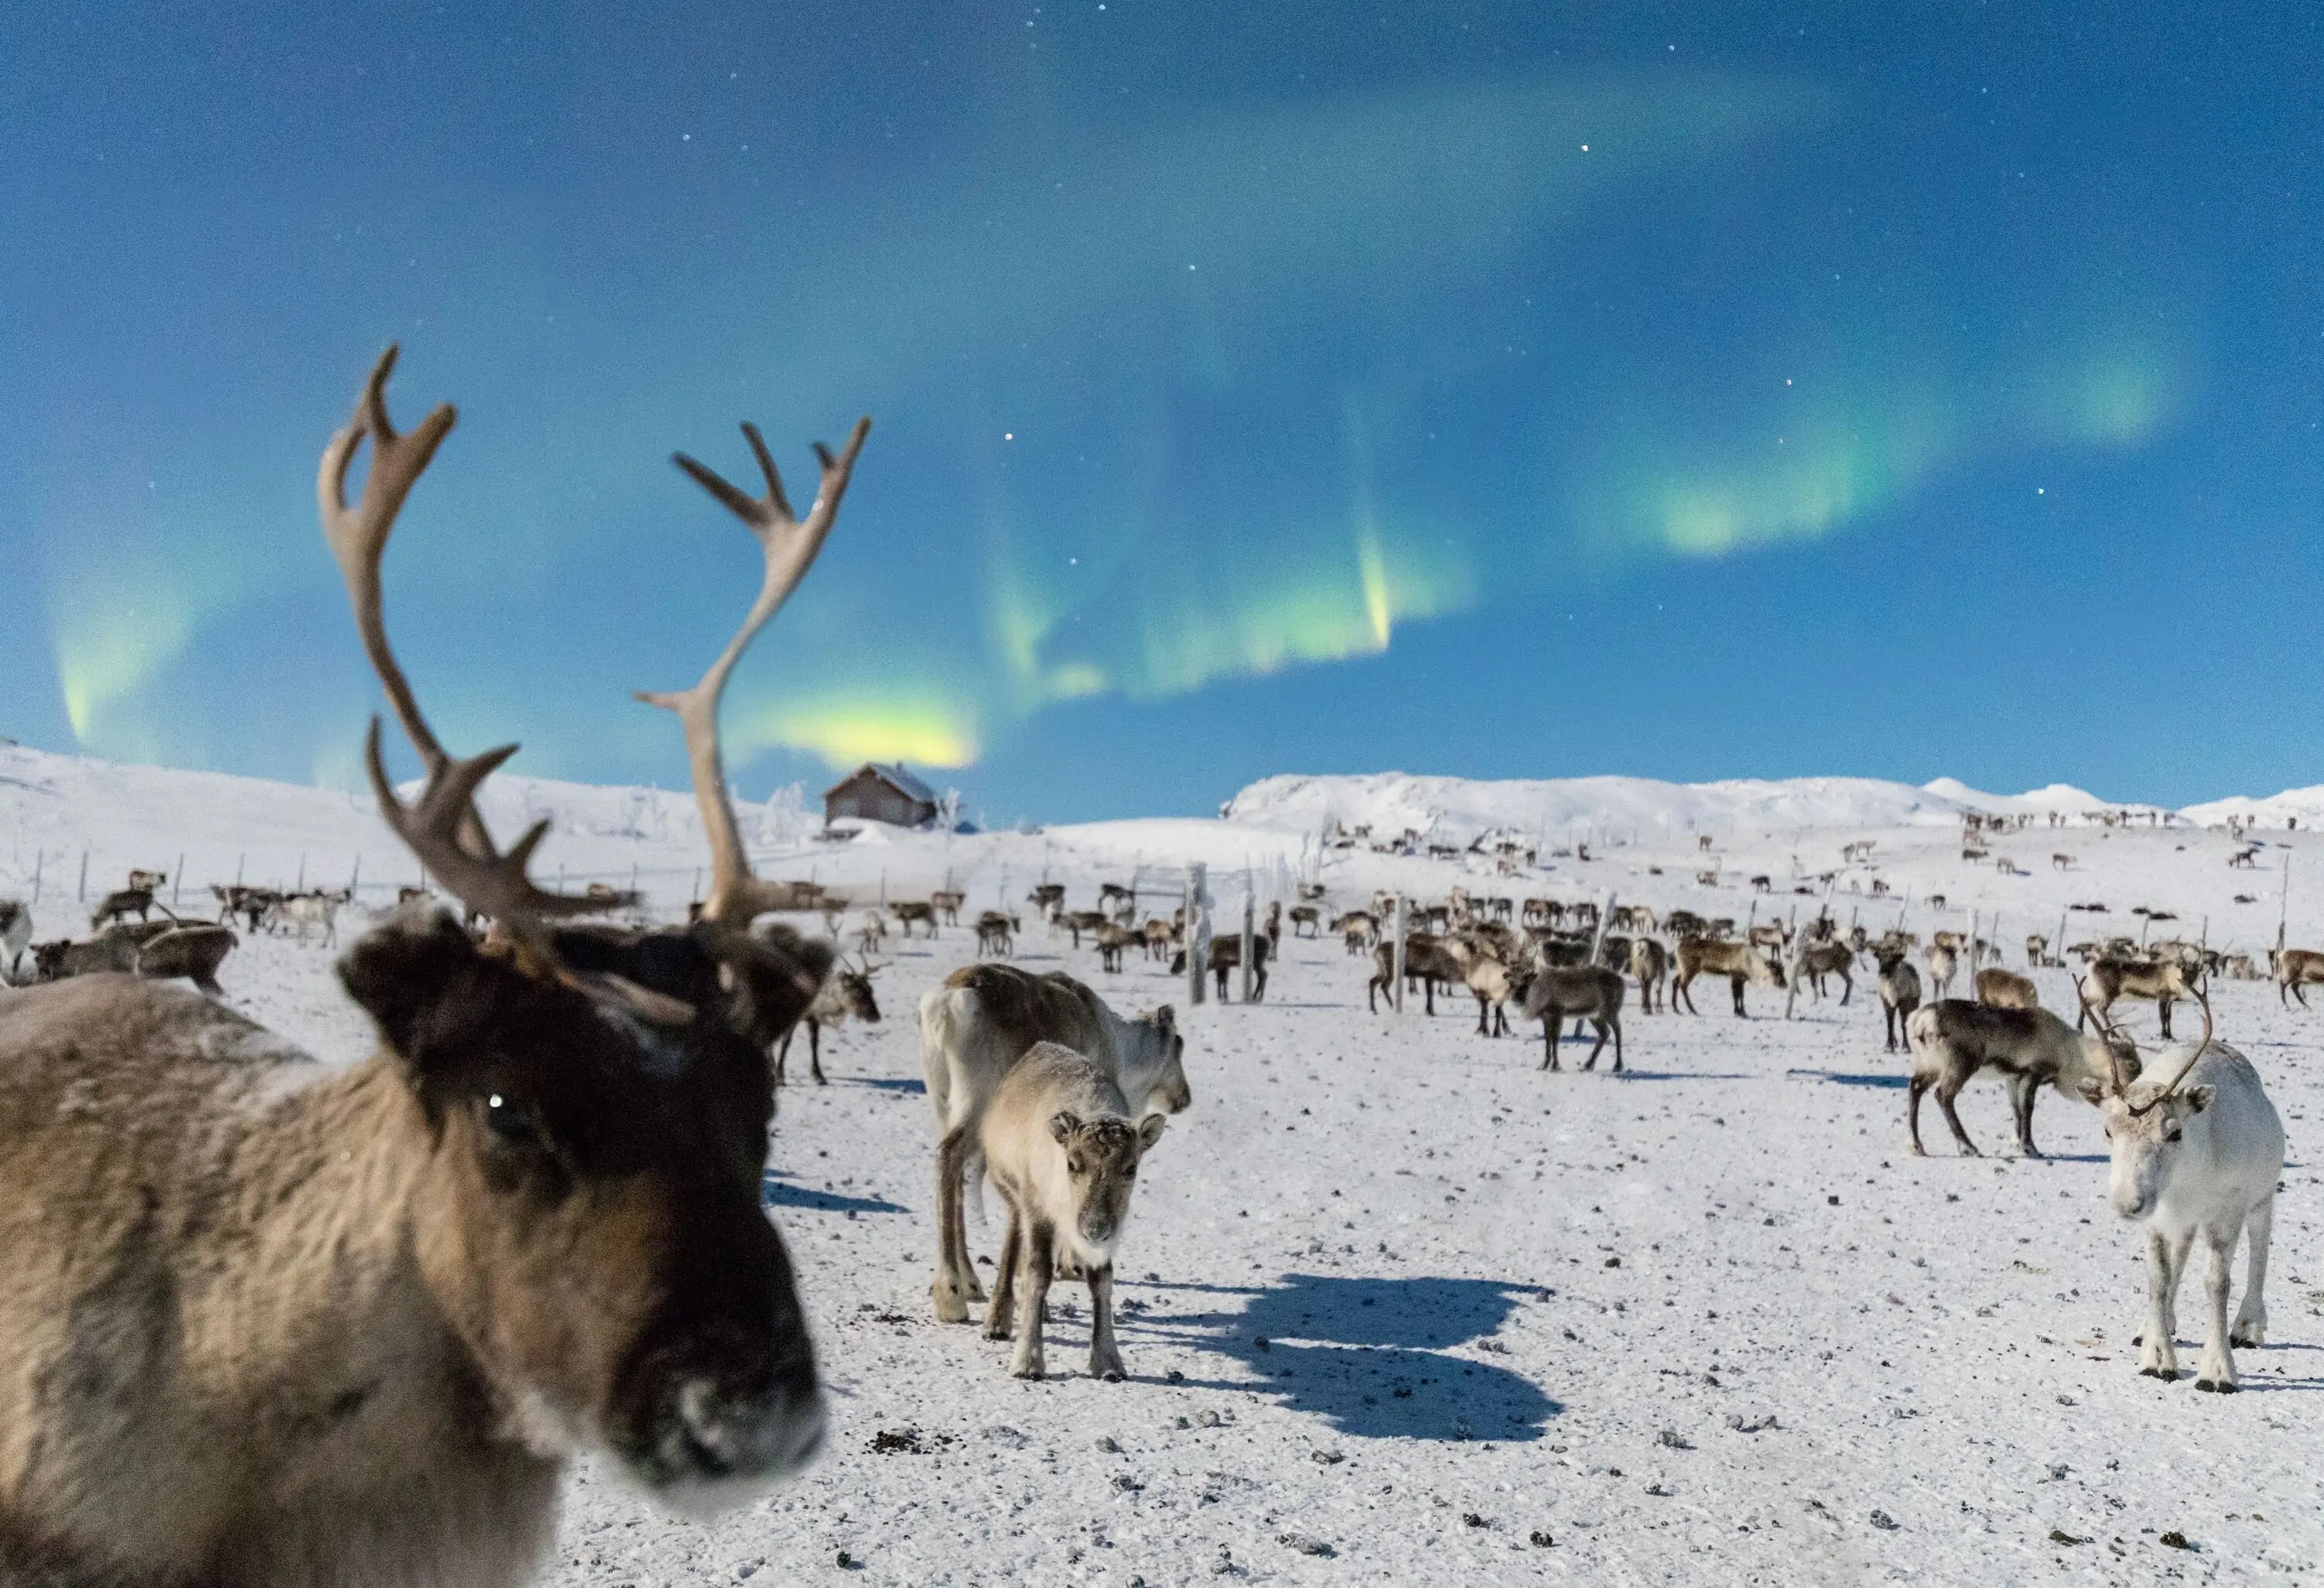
column 1952, row 1039
column 1900, row 991
column 1650, row 964
column 871, row 932
column 2247, row 857
column 1047, row 900
column 1116, row 900
column 16, row 932
column 1113, row 942
column 119, row 903
column 844, row 995
column 974, row 1028
column 1308, row 917
column 912, row 912
column 1740, row 963
column 530, row 1224
column 1226, row 954
column 2163, row 981
column 948, row 902
column 2198, row 1154
column 996, row 933
column 1557, row 994
column 1815, row 962
column 1063, row 1148
column 1359, row 929
column 2295, row 970
column 1999, row 989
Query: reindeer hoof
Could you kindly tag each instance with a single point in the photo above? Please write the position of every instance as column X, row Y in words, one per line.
column 996, row 1329
column 2163, row 1374
column 950, row 1307
column 2216, row 1386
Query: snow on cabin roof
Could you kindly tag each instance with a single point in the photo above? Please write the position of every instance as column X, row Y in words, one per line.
column 894, row 776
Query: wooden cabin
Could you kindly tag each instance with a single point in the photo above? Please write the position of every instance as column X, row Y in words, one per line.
column 875, row 792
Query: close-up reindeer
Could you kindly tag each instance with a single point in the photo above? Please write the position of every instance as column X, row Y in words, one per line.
column 270, row 1321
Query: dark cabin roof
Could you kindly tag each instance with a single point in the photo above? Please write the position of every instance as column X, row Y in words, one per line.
column 895, row 777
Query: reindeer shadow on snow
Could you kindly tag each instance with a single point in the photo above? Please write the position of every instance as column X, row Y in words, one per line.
column 1369, row 1356
column 779, row 1190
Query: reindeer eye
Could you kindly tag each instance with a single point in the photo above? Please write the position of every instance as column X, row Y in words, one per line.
column 2173, row 1136
column 511, row 1122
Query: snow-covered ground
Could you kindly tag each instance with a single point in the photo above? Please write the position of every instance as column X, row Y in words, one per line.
column 1395, row 1302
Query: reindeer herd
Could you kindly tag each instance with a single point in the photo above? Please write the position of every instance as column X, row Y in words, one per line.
column 270, row 1321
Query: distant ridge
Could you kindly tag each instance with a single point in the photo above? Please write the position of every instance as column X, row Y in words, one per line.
column 1460, row 808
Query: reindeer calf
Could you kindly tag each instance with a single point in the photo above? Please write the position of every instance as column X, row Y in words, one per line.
column 1063, row 1151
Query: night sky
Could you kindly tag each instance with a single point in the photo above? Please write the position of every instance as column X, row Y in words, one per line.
column 1508, row 389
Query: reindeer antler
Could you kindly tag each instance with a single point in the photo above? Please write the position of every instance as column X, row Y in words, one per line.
column 443, row 828
column 2202, row 1046
column 790, row 544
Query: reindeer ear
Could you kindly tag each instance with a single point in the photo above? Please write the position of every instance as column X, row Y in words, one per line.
column 1063, row 1124
column 1149, row 1130
column 2199, row 1098
column 420, row 978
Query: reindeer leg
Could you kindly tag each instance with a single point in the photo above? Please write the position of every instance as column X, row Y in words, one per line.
column 1552, row 1022
column 1481, row 1029
column 997, row 1317
column 782, row 1053
column 2251, row 1318
column 1947, row 1090
column 1742, row 1013
column 1105, row 1356
column 1033, row 1307
column 2158, row 1348
column 814, row 1050
column 956, row 1283
column 1591, row 1062
column 2217, row 1371
column 2023, row 1090
column 1912, row 1110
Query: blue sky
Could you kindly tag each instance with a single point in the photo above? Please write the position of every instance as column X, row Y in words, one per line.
column 1507, row 389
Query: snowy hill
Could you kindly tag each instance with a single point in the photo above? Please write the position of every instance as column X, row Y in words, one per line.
column 1457, row 809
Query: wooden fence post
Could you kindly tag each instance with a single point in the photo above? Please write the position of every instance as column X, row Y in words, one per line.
column 1195, row 939
column 1403, row 913
column 1249, row 970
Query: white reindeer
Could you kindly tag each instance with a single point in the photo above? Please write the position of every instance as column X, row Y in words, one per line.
column 1062, row 1148
column 2197, row 1154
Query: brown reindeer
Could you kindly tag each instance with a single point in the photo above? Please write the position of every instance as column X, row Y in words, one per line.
column 1555, row 996
column 118, row 903
column 2295, row 970
column 269, row 1322
column 948, row 902
column 996, row 933
column 914, row 912
column 1740, row 963
column 1650, row 964
column 844, row 995
column 2000, row 989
